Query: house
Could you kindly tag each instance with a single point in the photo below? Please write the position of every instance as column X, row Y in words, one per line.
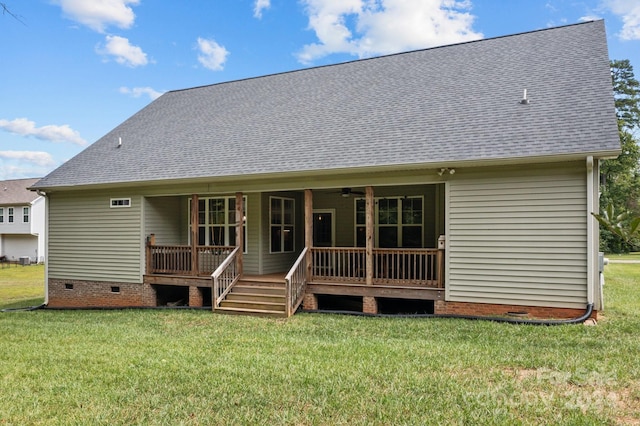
column 22, row 222
column 454, row 180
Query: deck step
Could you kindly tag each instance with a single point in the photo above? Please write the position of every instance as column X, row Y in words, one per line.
column 256, row 297
column 254, row 312
column 253, row 289
column 246, row 304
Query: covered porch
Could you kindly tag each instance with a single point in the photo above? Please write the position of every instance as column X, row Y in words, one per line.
column 319, row 267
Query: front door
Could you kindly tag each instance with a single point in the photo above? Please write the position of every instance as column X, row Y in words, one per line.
column 323, row 228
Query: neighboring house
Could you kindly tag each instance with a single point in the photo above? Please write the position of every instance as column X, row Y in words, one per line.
column 22, row 222
column 424, row 181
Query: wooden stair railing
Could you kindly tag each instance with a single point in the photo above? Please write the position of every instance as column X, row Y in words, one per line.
column 224, row 277
column 296, row 282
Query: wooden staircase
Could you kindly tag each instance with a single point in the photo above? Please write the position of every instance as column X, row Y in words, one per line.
column 261, row 296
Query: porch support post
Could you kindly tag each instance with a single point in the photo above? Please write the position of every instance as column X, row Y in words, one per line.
column 308, row 228
column 240, row 231
column 194, row 234
column 369, row 206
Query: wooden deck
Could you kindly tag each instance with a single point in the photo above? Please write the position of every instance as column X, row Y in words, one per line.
column 343, row 271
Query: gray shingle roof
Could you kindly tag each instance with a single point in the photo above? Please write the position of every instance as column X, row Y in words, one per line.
column 15, row 192
column 442, row 105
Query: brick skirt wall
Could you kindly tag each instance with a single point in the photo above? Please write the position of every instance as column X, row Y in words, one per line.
column 441, row 307
column 488, row 309
column 88, row 294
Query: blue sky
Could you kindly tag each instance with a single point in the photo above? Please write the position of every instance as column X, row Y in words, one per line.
column 71, row 70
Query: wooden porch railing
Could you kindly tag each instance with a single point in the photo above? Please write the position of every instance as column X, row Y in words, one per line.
column 296, row 282
column 338, row 264
column 224, row 277
column 422, row 267
column 406, row 267
column 176, row 259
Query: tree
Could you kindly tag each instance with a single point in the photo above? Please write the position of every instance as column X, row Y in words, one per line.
column 625, row 89
column 620, row 177
column 622, row 225
column 6, row 11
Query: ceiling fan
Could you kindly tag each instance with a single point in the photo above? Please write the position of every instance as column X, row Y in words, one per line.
column 347, row 192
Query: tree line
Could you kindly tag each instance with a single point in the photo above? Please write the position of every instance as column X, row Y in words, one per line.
column 619, row 214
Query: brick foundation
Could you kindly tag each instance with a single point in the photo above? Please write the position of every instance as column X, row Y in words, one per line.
column 369, row 305
column 87, row 294
column 310, row 302
column 195, row 297
column 488, row 309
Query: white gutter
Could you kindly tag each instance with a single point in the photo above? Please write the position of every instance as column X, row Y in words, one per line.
column 591, row 234
column 46, row 245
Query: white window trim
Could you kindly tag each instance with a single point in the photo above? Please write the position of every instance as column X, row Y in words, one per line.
column 26, row 213
column 376, row 225
column 226, row 216
column 1, row 215
column 119, row 203
column 283, row 225
column 10, row 216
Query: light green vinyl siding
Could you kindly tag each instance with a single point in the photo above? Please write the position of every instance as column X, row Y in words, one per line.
column 88, row 240
column 518, row 236
column 252, row 256
column 162, row 219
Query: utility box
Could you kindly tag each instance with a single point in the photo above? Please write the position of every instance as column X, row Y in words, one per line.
column 25, row 260
column 441, row 242
column 602, row 261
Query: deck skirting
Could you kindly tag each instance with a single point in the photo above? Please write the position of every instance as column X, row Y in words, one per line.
column 393, row 292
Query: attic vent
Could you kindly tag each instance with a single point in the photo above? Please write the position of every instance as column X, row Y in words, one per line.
column 120, row 202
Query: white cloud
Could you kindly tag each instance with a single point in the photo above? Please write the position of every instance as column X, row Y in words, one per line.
column 123, row 52
column 589, row 18
column 260, row 6
column 212, row 55
column 98, row 14
column 137, row 92
column 39, row 158
column 385, row 26
column 53, row 133
column 629, row 12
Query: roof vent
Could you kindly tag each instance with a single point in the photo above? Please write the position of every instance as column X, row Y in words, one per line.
column 524, row 100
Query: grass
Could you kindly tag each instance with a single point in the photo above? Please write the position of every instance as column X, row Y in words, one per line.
column 626, row 256
column 195, row 368
column 21, row 286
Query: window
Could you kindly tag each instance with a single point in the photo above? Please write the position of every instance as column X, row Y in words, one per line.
column 120, row 202
column 1, row 214
column 217, row 221
column 25, row 215
column 398, row 222
column 282, row 213
column 10, row 214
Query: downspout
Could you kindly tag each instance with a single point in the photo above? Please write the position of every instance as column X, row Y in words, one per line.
column 46, row 245
column 577, row 320
column 591, row 233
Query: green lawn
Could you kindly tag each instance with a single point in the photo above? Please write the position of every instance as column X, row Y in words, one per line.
column 194, row 368
column 627, row 256
column 21, row 285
